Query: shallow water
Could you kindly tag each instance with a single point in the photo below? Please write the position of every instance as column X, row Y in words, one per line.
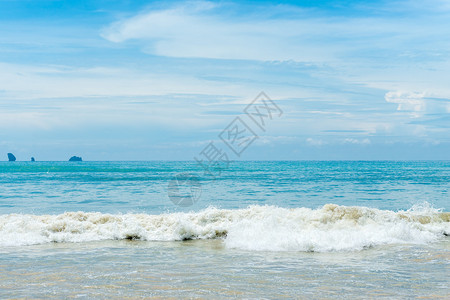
column 206, row 269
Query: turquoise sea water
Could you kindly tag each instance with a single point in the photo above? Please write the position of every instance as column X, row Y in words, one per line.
column 309, row 229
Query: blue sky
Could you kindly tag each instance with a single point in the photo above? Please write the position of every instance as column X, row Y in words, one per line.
column 150, row 80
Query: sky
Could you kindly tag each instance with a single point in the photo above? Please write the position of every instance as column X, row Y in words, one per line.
column 160, row 80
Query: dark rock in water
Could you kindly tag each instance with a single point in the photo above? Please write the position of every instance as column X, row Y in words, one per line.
column 32, row 159
column 11, row 157
column 75, row 158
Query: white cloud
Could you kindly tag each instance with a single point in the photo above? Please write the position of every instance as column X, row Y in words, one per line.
column 211, row 30
column 418, row 104
column 315, row 142
column 357, row 141
column 273, row 140
column 408, row 101
column 192, row 32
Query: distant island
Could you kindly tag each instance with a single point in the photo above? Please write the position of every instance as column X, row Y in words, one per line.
column 75, row 158
column 12, row 157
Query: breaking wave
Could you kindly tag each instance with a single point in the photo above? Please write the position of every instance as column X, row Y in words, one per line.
column 259, row 228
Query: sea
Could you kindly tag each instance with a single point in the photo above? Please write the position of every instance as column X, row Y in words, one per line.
column 253, row 230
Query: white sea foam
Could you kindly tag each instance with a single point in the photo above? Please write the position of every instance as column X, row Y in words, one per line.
column 329, row 228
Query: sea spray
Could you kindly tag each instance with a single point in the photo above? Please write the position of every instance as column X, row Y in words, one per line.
column 260, row 228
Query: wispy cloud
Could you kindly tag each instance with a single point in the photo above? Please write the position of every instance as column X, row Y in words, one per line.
column 275, row 32
column 31, row 81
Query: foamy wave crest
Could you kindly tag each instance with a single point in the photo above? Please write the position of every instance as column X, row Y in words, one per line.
column 329, row 228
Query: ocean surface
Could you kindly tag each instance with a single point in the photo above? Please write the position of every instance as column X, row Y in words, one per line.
column 279, row 229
